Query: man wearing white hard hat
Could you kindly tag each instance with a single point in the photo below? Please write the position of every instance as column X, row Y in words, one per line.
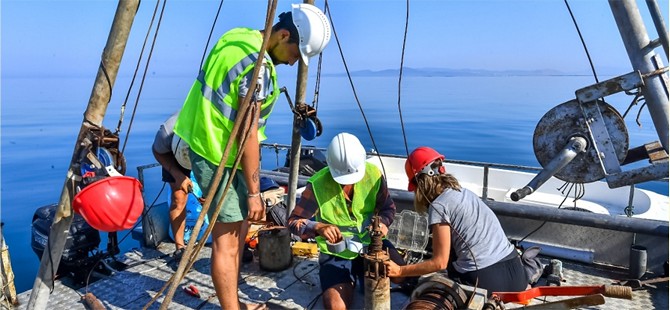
column 343, row 198
column 210, row 112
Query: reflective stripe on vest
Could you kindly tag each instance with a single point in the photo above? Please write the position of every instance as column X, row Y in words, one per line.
column 217, row 97
column 210, row 110
column 333, row 206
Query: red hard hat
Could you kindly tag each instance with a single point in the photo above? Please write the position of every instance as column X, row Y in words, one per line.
column 417, row 160
column 110, row 204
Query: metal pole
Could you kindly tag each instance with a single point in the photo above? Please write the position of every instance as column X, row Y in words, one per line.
column 7, row 274
column 635, row 38
column 296, row 139
column 656, row 16
column 95, row 112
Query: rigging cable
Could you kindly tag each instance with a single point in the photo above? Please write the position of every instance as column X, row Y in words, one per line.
column 209, row 38
column 137, row 67
column 144, row 75
column 353, row 89
column 123, row 106
column 595, row 76
column 144, row 213
column 317, row 83
column 518, row 243
column 402, row 62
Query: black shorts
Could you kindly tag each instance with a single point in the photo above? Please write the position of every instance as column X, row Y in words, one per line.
column 167, row 177
column 507, row 275
column 335, row 270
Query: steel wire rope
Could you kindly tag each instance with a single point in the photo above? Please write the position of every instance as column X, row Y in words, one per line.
column 581, row 38
column 518, row 243
column 144, row 74
column 353, row 88
column 402, row 62
column 209, row 38
column 137, row 67
column 144, row 212
column 317, row 84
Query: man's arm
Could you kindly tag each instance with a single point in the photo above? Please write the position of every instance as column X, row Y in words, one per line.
column 385, row 206
column 251, row 170
column 299, row 222
column 170, row 164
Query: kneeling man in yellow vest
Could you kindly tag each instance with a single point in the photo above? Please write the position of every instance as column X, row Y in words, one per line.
column 336, row 209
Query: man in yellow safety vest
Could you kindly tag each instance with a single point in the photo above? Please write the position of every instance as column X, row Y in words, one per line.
column 342, row 198
column 210, row 111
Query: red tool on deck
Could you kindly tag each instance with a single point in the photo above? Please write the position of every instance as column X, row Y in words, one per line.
column 526, row 296
column 192, row 290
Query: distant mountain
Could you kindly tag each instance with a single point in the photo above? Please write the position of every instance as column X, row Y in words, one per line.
column 444, row 72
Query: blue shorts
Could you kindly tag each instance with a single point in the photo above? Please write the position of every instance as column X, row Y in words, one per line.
column 167, row 177
column 335, row 270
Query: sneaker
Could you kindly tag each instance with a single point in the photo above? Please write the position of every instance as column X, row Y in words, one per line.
column 176, row 258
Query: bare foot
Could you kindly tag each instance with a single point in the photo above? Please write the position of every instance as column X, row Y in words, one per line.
column 250, row 306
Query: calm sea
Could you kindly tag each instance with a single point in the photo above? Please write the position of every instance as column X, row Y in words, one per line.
column 467, row 118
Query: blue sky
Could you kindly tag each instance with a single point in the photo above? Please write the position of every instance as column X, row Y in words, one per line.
column 65, row 38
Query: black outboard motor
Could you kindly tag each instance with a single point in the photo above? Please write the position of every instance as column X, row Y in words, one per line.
column 81, row 240
column 311, row 161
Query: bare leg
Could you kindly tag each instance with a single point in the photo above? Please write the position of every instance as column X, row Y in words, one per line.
column 338, row 297
column 243, row 236
column 226, row 263
column 178, row 215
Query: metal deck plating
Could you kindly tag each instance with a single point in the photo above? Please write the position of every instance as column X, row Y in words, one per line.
column 294, row 288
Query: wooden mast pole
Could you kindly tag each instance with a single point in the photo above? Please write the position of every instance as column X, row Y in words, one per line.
column 95, row 112
column 296, row 139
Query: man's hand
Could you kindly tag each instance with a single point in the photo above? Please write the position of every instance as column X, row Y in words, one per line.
column 185, row 183
column 256, row 208
column 330, row 232
column 384, row 229
column 392, row 269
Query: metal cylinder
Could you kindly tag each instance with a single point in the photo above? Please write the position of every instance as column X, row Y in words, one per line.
column 377, row 284
column 274, row 248
column 378, row 293
column 638, row 262
column 575, row 146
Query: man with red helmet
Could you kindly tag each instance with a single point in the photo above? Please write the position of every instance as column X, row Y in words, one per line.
column 461, row 221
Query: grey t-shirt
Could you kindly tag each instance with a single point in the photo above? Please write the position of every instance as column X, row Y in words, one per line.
column 264, row 83
column 163, row 140
column 472, row 220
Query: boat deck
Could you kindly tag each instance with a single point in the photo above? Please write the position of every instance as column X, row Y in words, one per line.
column 294, row 288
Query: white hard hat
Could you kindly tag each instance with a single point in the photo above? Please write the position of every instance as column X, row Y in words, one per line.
column 346, row 159
column 180, row 149
column 313, row 28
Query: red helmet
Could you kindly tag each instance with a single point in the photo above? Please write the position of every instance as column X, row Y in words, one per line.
column 417, row 161
column 110, row 204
